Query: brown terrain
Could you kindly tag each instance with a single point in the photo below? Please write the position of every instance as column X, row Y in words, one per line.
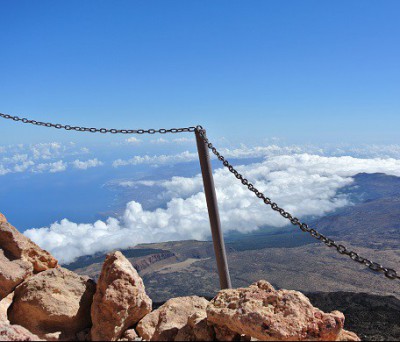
column 40, row 300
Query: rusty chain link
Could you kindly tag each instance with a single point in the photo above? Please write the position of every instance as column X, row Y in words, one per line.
column 341, row 249
column 98, row 130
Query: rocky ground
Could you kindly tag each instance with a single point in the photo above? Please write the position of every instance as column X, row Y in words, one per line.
column 41, row 300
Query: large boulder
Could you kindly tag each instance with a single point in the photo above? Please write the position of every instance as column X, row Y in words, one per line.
column 17, row 246
column 53, row 304
column 16, row 333
column 120, row 300
column 179, row 319
column 12, row 273
column 264, row 313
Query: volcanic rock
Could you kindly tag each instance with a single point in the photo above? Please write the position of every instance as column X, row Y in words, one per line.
column 347, row 336
column 179, row 319
column 53, row 304
column 120, row 300
column 12, row 273
column 4, row 305
column 17, row 246
column 264, row 313
column 16, row 333
column 130, row 335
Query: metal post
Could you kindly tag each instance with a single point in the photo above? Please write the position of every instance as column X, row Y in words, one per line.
column 212, row 204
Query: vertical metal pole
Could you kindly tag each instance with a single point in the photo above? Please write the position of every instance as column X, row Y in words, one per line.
column 213, row 213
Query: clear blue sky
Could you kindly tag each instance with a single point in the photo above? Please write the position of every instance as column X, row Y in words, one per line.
column 304, row 71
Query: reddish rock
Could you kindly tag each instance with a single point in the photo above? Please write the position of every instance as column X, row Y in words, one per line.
column 16, row 246
column 12, row 273
column 179, row 319
column 53, row 304
column 16, row 333
column 264, row 313
column 120, row 300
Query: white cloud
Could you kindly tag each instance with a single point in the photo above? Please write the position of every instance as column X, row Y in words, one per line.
column 160, row 141
column 46, row 150
column 156, row 159
column 84, row 165
column 183, row 140
column 58, row 166
column 26, row 158
column 303, row 184
column 133, row 140
column 4, row 170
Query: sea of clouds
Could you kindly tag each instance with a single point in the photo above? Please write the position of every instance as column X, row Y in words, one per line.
column 305, row 184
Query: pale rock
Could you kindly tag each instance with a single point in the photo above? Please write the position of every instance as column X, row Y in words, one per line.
column 12, row 273
column 179, row 319
column 120, row 300
column 130, row 335
column 2, row 218
column 54, row 304
column 16, row 333
column 17, row 246
column 347, row 336
column 264, row 313
column 5, row 303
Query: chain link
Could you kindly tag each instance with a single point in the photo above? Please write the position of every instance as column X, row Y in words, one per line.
column 341, row 249
column 98, row 130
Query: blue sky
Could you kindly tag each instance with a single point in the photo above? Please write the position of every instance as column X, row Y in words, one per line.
column 302, row 71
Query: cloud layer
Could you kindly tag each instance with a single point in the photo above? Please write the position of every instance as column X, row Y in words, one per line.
column 304, row 184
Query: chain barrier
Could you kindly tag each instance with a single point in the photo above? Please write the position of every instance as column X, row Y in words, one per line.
column 341, row 249
column 98, row 130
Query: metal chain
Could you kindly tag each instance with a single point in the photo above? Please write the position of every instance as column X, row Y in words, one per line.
column 389, row 272
column 98, row 130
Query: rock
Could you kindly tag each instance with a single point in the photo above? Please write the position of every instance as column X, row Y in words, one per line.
column 4, row 305
column 179, row 319
column 54, row 303
column 2, row 218
column 17, row 246
column 264, row 313
column 16, row 333
column 12, row 273
column 347, row 336
column 120, row 300
column 130, row 335
column 222, row 333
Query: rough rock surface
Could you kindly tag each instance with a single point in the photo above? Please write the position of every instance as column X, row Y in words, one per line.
column 16, row 333
column 179, row 319
column 55, row 302
column 12, row 273
column 347, row 336
column 264, row 313
column 130, row 335
column 4, row 305
column 2, row 218
column 120, row 300
column 17, row 246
